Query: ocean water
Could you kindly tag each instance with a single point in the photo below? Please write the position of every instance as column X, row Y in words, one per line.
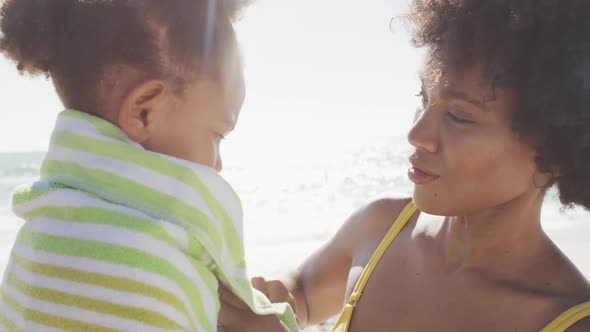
column 297, row 191
column 15, row 169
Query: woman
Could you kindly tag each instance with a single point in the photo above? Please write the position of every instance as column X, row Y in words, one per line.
column 505, row 116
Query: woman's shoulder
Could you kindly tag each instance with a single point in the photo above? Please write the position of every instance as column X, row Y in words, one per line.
column 571, row 282
column 567, row 291
column 379, row 212
column 383, row 209
column 372, row 221
column 575, row 308
column 576, row 294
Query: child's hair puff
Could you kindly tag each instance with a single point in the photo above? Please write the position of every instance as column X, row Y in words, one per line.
column 73, row 41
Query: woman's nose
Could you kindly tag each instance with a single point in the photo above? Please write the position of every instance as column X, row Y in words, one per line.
column 424, row 133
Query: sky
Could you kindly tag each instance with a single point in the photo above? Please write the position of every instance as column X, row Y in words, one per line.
column 313, row 69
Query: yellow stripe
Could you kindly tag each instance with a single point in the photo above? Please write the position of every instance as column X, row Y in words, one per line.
column 569, row 318
column 51, row 320
column 7, row 324
column 102, row 280
column 125, row 256
column 122, row 311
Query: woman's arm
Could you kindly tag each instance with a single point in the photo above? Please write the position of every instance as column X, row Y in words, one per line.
column 319, row 285
column 236, row 316
column 315, row 290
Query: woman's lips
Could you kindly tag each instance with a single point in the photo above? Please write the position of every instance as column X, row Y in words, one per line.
column 420, row 177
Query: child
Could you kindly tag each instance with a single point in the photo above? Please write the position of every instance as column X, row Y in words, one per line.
column 129, row 227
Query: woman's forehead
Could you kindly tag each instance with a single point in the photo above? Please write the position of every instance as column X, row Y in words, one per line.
column 471, row 83
column 474, row 79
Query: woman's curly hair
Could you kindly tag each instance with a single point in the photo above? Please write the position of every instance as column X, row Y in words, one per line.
column 73, row 41
column 541, row 50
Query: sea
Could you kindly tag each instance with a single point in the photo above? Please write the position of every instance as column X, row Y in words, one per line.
column 297, row 192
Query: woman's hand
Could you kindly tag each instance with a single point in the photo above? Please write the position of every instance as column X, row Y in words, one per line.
column 236, row 316
column 275, row 290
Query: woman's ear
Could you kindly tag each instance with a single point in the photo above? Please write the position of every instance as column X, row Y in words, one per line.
column 138, row 109
column 548, row 177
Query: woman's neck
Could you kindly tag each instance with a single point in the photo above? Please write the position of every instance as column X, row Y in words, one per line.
column 505, row 239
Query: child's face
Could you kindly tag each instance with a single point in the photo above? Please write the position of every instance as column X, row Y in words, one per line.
column 192, row 124
column 199, row 121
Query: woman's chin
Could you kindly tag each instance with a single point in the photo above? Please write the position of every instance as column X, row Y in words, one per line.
column 430, row 203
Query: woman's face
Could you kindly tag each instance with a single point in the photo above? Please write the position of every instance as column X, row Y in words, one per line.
column 467, row 159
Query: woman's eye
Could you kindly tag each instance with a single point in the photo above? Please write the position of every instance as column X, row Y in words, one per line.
column 456, row 118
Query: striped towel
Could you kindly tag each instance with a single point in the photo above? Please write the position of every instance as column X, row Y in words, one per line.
column 118, row 238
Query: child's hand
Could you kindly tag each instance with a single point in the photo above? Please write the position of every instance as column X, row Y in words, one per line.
column 275, row 290
column 236, row 316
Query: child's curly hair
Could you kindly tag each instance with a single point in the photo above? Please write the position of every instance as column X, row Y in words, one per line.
column 541, row 50
column 73, row 41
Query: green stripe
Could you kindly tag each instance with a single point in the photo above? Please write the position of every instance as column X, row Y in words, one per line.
column 139, row 196
column 123, row 256
column 102, row 280
column 104, row 127
column 209, row 278
column 6, row 323
column 51, row 320
column 160, row 165
column 196, row 249
column 145, row 316
column 102, row 216
column 26, row 194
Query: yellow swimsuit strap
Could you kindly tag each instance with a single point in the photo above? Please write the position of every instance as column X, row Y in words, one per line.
column 569, row 318
column 398, row 225
column 560, row 324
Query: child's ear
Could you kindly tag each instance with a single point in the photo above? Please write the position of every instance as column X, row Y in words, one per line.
column 138, row 110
